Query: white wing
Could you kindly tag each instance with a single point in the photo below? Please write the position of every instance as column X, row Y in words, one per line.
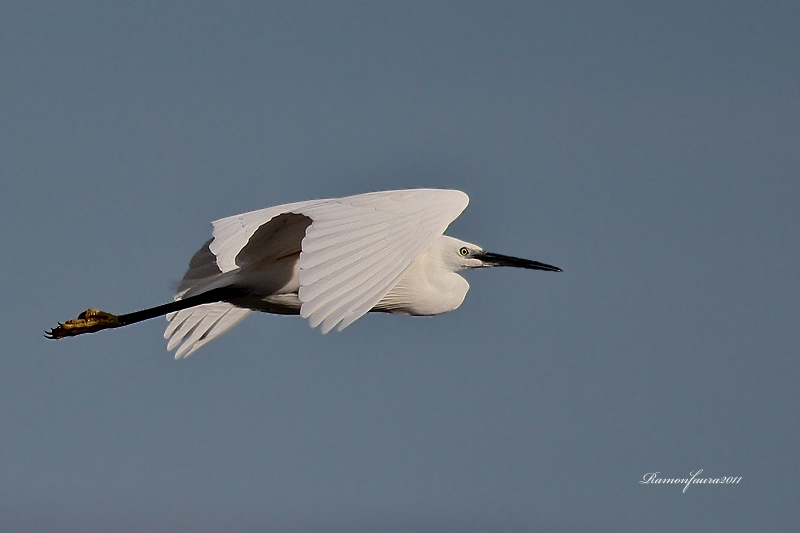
column 353, row 253
column 231, row 234
column 194, row 327
column 358, row 247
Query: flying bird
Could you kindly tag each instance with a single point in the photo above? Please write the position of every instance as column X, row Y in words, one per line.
column 330, row 261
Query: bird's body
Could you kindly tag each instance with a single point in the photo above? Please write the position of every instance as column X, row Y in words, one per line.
column 330, row 261
column 422, row 290
column 426, row 289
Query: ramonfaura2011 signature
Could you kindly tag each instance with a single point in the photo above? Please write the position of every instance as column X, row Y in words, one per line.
column 653, row 479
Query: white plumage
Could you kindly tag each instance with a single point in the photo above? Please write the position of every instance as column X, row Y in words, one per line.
column 352, row 251
column 330, row 261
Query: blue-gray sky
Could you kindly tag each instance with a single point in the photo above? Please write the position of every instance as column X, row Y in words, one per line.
column 651, row 149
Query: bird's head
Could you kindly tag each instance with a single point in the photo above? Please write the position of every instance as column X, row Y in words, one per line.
column 460, row 255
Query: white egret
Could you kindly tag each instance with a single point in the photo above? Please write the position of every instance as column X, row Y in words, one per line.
column 330, row 261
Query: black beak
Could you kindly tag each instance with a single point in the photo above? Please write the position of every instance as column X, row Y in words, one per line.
column 492, row 260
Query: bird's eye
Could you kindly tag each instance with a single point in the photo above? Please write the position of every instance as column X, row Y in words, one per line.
column 464, row 251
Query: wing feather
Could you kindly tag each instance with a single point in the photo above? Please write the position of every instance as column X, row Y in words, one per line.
column 335, row 310
column 358, row 247
column 233, row 316
column 231, row 234
column 351, row 281
column 343, row 238
column 188, row 324
column 320, row 252
column 198, row 333
column 335, row 268
column 192, row 328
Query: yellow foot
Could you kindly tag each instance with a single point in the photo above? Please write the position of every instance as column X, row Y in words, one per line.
column 89, row 321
